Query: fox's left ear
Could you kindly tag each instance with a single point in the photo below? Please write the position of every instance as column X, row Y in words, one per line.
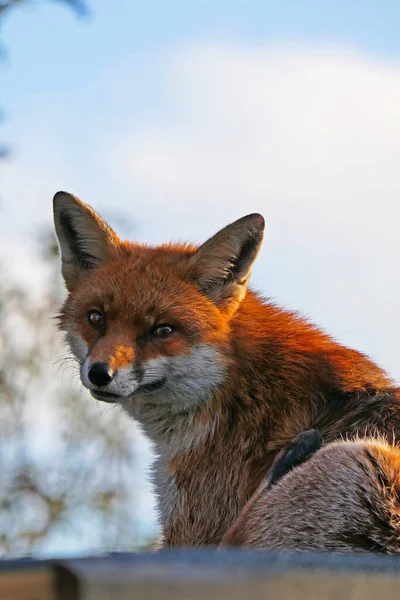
column 222, row 265
column 85, row 239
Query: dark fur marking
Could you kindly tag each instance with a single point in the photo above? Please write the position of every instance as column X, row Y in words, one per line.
column 380, row 475
column 349, row 412
column 361, row 541
column 300, row 450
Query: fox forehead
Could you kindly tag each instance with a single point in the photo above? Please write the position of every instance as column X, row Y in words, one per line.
column 138, row 277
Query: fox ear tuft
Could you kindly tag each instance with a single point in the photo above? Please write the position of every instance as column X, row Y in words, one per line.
column 222, row 265
column 85, row 239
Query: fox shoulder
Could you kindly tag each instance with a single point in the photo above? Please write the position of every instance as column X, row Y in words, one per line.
column 345, row 498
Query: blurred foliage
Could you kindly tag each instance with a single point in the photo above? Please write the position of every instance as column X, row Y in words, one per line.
column 66, row 465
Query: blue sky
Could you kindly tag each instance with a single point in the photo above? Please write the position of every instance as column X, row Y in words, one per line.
column 174, row 118
column 49, row 50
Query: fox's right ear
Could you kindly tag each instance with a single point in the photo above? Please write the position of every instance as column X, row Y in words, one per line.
column 85, row 239
column 222, row 265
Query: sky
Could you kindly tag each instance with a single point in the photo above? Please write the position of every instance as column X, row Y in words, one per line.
column 174, row 118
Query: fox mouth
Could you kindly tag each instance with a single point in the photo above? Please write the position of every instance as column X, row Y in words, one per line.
column 105, row 396
column 147, row 388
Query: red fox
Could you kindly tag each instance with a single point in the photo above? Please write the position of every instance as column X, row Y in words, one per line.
column 222, row 380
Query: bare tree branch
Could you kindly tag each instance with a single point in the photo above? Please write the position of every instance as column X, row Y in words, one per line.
column 79, row 6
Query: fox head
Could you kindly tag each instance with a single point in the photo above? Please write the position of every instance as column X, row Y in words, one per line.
column 150, row 326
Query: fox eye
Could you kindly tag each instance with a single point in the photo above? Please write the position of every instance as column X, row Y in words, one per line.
column 162, row 331
column 96, row 319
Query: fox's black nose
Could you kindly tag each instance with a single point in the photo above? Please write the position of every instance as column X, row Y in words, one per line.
column 100, row 374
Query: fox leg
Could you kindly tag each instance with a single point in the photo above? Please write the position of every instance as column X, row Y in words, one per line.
column 343, row 497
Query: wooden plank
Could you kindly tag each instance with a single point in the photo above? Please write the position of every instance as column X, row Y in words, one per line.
column 28, row 583
column 204, row 574
column 232, row 575
column 286, row 587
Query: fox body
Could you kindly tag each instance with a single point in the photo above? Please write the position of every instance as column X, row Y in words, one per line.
column 220, row 379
